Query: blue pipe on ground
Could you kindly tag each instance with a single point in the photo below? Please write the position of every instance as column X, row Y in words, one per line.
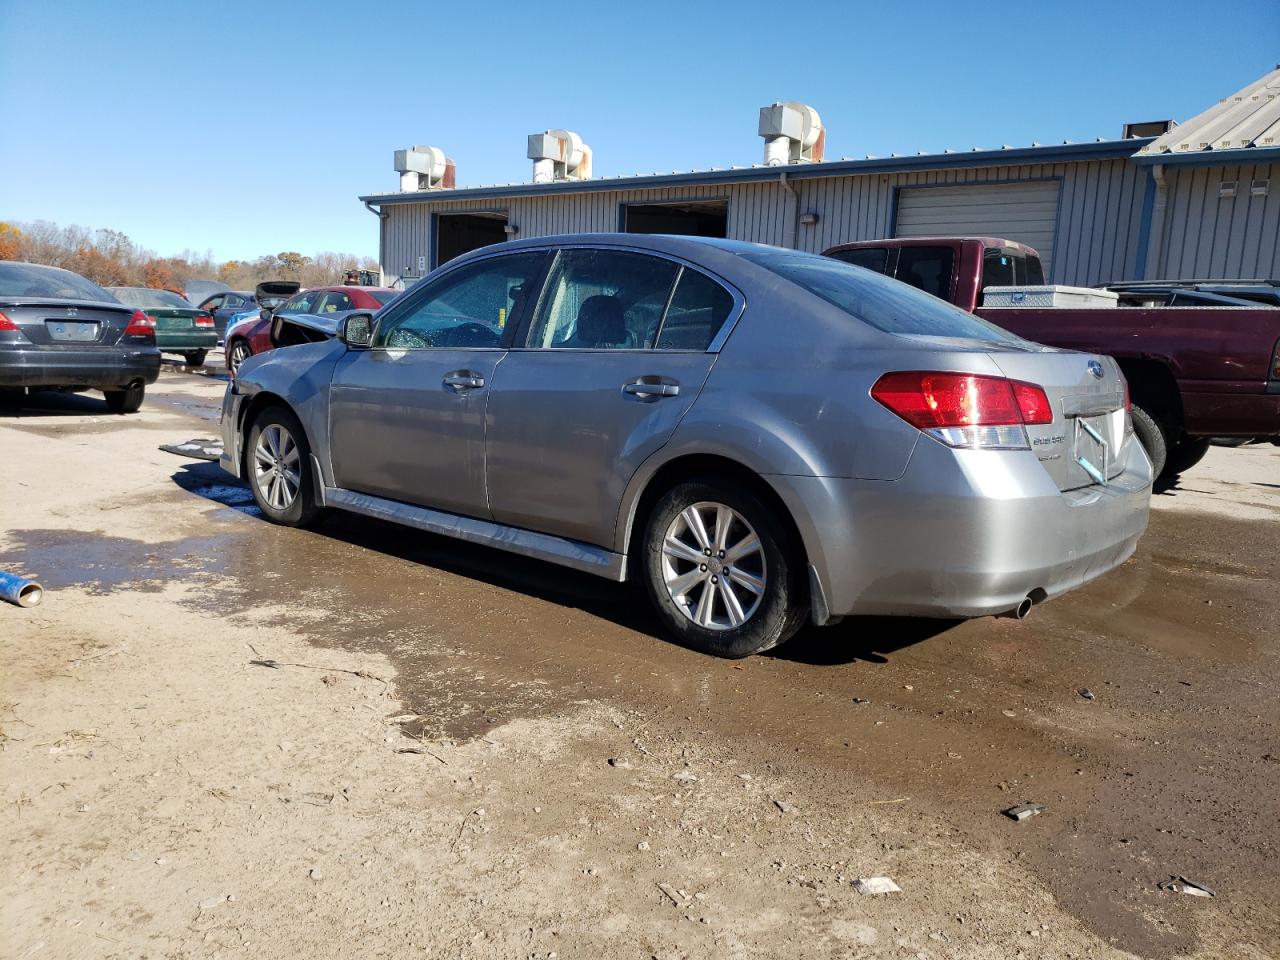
column 24, row 593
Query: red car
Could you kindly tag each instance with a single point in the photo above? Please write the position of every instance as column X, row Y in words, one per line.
column 320, row 308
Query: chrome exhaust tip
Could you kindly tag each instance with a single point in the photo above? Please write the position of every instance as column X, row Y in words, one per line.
column 1022, row 610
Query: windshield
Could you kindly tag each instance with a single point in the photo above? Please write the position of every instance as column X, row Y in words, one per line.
column 885, row 304
column 383, row 296
column 150, row 299
column 31, row 280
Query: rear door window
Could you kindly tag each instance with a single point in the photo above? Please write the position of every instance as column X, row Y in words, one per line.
column 875, row 258
column 699, row 308
column 927, row 268
column 603, row 300
column 333, row 301
column 883, row 303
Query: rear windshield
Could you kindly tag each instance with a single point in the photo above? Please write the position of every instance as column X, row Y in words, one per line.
column 885, row 304
column 30, row 280
column 148, row 298
column 383, row 296
column 1010, row 268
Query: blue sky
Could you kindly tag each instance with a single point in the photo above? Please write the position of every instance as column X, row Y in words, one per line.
column 247, row 128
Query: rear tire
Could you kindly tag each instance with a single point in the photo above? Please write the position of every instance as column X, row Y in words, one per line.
column 1186, row 453
column 1152, row 437
column 196, row 358
column 739, row 601
column 127, row 400
column 277, row 462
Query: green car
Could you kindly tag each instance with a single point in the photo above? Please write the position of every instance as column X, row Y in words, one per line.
column 180, row 327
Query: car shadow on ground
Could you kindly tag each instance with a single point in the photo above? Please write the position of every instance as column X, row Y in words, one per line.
column 867, row 639
column 52, row 403
column 211, row 369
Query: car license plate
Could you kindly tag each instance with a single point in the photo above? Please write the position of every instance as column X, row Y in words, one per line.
column 1092, row 450
column 78, row 331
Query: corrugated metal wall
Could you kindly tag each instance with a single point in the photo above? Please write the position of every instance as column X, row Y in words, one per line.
column 1208, row 235
column 1097, row 228
column 1025, row 211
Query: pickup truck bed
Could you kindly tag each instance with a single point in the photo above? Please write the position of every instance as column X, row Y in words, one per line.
column 1206, row 368
column 1194, row 372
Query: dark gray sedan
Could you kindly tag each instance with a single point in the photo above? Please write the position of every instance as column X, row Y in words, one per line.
column 760, row 437
column 60, row 331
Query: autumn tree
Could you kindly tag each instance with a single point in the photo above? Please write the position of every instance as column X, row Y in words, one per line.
column 10, row 241
column 110, row 257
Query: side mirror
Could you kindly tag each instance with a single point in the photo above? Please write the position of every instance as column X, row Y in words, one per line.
column 264, row 314
column 357, row 330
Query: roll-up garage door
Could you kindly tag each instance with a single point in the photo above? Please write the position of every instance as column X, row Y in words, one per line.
column 1026, row 212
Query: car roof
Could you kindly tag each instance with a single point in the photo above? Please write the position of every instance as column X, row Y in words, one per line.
column 988, row 242
column 44, row 266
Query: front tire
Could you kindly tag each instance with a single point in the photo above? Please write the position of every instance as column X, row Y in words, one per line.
column 722, row 571
column 278, row 466
column 196, row 358
column 238, row 354
column 126, row 400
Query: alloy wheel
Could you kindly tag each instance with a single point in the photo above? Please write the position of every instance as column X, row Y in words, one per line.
column 239, row 354
column 276, row 464
column 713, row 566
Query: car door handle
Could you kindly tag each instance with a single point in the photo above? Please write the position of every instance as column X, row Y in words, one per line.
column 463, row 380
column 650, row 391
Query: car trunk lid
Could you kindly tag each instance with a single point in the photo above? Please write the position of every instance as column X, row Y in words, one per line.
column 68, row 323
column 1084, row 443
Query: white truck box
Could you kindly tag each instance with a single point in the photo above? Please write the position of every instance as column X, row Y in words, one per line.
column 1052, row 295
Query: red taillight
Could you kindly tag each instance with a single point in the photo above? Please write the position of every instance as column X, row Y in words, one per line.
column 965, row 409
column 203, row 320
column 1033, row 402
column 938, row 399
column 6, row 323
column 141, row 325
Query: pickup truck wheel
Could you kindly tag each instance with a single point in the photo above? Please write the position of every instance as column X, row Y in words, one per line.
column 126, row 400
column 1186, row 453
column 1152, row 438
column 721, row 571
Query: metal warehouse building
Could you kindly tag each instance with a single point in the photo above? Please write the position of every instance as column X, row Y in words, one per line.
column 1202, row 199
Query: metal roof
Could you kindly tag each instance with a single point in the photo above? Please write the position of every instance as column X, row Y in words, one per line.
column 977, row 157
column 1249, row 120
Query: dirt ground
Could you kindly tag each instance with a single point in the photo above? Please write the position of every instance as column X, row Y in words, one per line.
column 222, row 738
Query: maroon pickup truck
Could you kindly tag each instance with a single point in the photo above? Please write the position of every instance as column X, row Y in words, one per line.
column 1194, row 372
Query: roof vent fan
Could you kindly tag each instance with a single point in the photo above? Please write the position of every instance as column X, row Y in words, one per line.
column 793, row 133
column 425, row 168
column 559, row 155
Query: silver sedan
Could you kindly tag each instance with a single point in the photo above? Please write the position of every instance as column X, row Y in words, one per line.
column 760, row 437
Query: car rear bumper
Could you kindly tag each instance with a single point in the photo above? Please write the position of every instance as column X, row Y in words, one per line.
column 964, row 533
column 101, row 367
column 182, row 342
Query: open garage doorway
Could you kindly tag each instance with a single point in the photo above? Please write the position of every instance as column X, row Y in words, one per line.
column 704, row 218
column 459, row 233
